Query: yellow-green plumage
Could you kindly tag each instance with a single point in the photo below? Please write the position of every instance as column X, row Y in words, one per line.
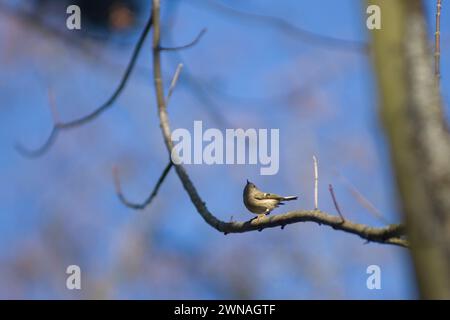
column 259, row 202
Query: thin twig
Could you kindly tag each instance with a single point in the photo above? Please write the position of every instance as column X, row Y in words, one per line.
column 148, row 201
column 207, row 93
column 391, row 234
column 316, row 184
column 186, row 46
column 287, row 28
column 437, row 49
column 336, row 205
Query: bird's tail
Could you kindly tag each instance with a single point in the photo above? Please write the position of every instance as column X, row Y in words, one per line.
column 290, row 198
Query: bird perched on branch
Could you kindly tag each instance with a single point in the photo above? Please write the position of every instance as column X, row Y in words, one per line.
column 262, row 203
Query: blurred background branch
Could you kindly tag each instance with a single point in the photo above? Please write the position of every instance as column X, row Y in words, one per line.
column 389, row 235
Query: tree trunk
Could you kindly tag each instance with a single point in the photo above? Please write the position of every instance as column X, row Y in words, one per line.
column 412, row 115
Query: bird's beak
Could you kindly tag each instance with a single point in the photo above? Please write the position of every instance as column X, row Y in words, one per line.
column 248, row 181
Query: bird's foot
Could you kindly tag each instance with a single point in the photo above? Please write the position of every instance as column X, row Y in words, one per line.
column 261, row 216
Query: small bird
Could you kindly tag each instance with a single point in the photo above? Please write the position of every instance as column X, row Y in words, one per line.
column 262, row 203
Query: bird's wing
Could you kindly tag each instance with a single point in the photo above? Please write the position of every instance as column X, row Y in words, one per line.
column 264, row 196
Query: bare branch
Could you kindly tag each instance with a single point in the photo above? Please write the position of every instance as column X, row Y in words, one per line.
column 148, row 201
column 316, row 184
column 414, row 119
column 202, row 94
column 391, row 234
column 336, row 204
column 62, row 126
column 437, row 48
column 186, row 46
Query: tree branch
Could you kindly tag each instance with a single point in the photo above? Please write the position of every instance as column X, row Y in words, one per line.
column 437, row 39
column 148, row 201
column 391, row 234
column 413, row 116
column 175, row 78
